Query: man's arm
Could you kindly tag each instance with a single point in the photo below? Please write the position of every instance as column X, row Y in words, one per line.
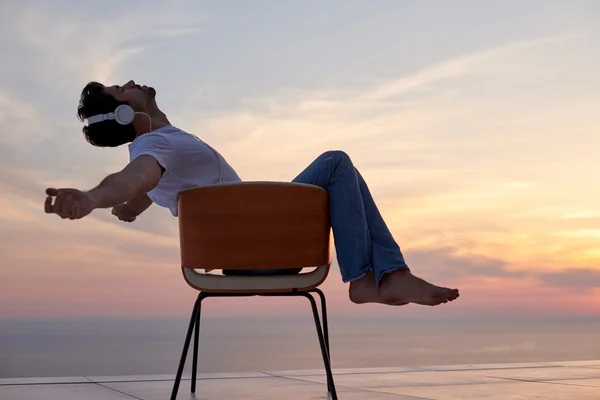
column 139, row 204
column 129, row 211
column 138, row 178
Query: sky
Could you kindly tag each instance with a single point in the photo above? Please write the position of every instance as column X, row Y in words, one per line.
column 475, row 123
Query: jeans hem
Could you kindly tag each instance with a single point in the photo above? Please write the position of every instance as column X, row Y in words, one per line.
column 358, row 276
column 380, row 275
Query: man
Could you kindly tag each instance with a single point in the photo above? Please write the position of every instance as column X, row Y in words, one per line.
column 165, row 161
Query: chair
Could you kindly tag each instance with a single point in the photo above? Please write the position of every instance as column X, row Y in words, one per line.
column 255, row 226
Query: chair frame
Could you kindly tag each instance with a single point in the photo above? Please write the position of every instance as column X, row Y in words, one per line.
column 194, row 328
column 218, row 207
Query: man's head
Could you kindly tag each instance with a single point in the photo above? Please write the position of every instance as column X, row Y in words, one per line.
column 99, row 99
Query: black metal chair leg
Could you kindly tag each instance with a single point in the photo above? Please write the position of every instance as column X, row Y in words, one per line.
column 196, row 338
column 324, row 352
column 325, row 322
column 186, row 347
column 325, row 325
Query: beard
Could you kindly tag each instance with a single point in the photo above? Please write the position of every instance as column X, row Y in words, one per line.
column 151, row 93
column 149, row 90
column 151, row 98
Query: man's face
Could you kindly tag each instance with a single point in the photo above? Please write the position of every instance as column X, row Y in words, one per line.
column 138, row 97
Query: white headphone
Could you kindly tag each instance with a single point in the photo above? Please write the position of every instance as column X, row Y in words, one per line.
column 123, row 114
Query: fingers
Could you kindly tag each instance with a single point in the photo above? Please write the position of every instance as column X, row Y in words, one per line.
column 53, row 194
column 48, row 205
column 75, row 211
column 123, row 214
column 66, row 205
column 124, row 217
column 61, row 204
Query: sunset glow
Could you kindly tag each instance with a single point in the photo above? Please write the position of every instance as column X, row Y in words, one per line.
column 477, row 128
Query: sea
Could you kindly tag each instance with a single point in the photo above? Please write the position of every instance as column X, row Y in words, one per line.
column 63, row 347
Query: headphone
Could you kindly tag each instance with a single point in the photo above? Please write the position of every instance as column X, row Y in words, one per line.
column 123, row 114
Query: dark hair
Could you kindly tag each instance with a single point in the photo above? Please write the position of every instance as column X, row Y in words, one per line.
column 106, row 133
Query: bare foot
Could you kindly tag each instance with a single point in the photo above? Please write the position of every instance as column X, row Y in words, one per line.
column 400, row 286
column 365, row 290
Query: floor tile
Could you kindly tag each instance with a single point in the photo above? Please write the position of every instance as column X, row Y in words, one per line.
column 341, row 371
column 171, row 377
column 248, row 389
column 367, row 381
column 42, row 381
column 542, row 374
column 370, row 395
column 584, row 363
column 87, row 391
column 580, row 382
column 293, row 372
column 500, row 391
column 544, row 381
column 133, row 378
column 472, row 367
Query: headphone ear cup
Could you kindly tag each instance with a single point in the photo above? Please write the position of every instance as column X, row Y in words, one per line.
column 124, row 114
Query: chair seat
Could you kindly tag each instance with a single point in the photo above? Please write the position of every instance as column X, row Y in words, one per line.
column 255, row 284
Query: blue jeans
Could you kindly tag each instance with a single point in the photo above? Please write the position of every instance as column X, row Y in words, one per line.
column 363, row 241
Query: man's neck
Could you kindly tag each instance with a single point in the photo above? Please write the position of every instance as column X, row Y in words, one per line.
column 158, row 120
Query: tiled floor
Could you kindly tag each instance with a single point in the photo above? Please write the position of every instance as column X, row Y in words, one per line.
column 578, row 380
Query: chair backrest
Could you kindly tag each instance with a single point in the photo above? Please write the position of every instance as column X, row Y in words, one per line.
column 254, row 225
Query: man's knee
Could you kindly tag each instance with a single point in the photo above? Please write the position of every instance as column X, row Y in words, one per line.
column 338, row 156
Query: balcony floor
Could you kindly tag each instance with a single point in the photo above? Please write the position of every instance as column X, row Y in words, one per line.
column 549, row 381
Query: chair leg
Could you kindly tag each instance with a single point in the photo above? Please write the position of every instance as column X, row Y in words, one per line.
column 186, row 347
column 324, row 352
column 325, row 322
column 196, row 338
column 325, row 326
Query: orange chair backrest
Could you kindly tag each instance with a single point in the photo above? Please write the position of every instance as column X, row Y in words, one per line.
column 254, row 225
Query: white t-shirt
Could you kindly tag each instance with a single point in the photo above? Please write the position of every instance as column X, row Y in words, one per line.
column 188, row 163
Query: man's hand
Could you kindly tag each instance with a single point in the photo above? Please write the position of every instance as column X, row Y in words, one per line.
column 134, row 181
column 69, row 203
column 124, row 213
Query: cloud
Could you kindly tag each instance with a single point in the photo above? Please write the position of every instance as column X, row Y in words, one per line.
column 448, row 262
column 20, row 121
column 468, row 64
column 155, row 220
column 397, row 129
column 86, row 44
column 178, row 31
column 14, row 110
column 73, row 244
column 21, row 183
column 573, row 279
